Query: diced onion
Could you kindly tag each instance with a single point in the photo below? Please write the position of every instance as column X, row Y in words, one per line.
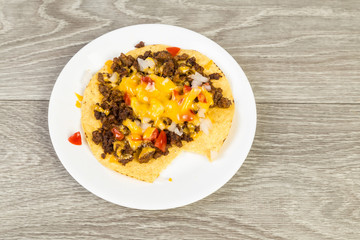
column 137, row 122
column 144, row 126
column 144, row 64
column 198, row 77
column 205, row 125
column 172, row 127
column 114, row 77
column 207, row 87
column 196, row 83
column 178, row 132
column 201, row 113
column 146, row 120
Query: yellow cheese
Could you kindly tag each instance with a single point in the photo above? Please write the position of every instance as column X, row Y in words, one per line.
column 189, row 98
column 134, row 144
column 132, row 126
column 108, row 66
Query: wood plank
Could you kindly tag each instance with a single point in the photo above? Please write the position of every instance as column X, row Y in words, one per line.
column 301, row 51
column 300, row 181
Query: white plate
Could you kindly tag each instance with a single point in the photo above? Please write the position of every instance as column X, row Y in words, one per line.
column 194, row 177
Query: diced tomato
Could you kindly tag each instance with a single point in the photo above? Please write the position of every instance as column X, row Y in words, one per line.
column 187, row 117
column 136, row 137
column 151, row 134
column 147, row 80
column 117, row 134
column 161, row 141
column 201, row 97
column 127, row 99
column 175, row 95
column 173, row 50
column 75, row 138
column 186, row 89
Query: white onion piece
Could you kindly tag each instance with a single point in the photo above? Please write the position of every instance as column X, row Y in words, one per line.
column 178, row 132
column 207, row 87
column 144, row 64
column 172, row 127
column 144, row 126
column 196, row 83
column 114, row 77
column 198, row 77
column 150, row 87
column 205, row 125
column 146, row 120
column 201, row 113
column 137, row 122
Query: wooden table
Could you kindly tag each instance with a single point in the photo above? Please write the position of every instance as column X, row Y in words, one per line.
column 301, row 179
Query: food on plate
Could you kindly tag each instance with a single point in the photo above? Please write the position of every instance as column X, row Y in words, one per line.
column 143, row 108
column 75, row 138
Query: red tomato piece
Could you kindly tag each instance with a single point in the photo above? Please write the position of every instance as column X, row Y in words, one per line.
column 201, row 97
column 161, row 141
column 175, row 95
column 146, row 80
column 186, row 89
column 75, row 138
column 117, row 134
column 173, row 50
column 127, row 99
column 153, row 135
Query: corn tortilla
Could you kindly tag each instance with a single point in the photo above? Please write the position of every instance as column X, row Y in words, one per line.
column 202, row 144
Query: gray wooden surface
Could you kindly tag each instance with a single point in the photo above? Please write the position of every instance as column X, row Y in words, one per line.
column 301, row 179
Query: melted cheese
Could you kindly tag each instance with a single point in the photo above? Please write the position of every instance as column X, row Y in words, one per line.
column 158, row 101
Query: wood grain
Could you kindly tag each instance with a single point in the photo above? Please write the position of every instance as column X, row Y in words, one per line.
column 301, row 179
column 297, row 52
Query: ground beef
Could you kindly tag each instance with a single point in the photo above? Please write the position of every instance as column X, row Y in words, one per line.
column 215, row 76
column 162, row 56
column 199, row 68
column 104, row 137
column 223, row 103
column 104, row 90
column 107, row 143
column 181, row 57
column 173, row 139
column 103, row 155
column 124, row 161
column 169, row 68
column 124, row 113
column 140, row 44
column 98, row 115
column 136, row 65
column 197, row 129
column 126, row 60
column 191, row 61
column 100, row 78
column 158, row 153
column 97, row 136
column 147, row 54
column 219, row 100
column 127, row 154
column 105, row 105
column 146, row 158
